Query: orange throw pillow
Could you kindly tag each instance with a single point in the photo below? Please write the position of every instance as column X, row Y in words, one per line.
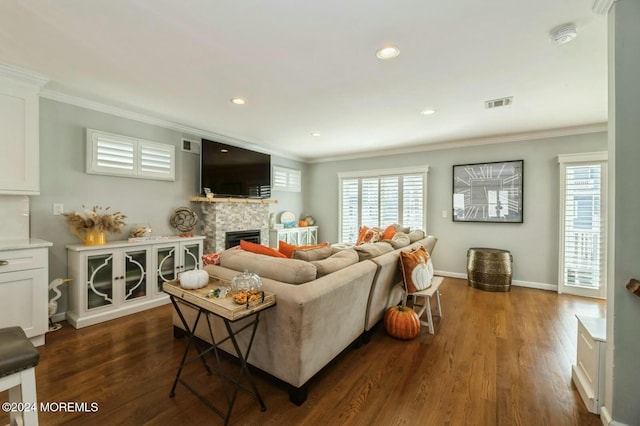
column 417, row 270
column 260, row 249
column 389, row 232
column 288, row 249
column 361, row 235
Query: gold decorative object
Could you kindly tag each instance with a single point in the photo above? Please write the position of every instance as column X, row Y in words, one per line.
column 91, row 225
column 489, row 269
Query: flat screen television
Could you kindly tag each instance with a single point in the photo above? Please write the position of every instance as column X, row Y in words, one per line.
column 230, row 171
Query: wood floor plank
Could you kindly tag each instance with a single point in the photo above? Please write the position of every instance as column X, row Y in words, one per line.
column 496, row 359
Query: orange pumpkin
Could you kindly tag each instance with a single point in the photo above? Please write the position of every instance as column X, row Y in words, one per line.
column 402, row 322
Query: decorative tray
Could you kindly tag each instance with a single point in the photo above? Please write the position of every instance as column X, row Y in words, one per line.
column 225, row 307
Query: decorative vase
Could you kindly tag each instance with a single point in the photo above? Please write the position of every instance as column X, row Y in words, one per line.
column 93, row 237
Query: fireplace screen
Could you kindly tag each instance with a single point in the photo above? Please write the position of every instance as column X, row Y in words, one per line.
column 232, row 239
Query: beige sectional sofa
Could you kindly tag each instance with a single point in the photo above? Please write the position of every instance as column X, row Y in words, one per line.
column 323, row 306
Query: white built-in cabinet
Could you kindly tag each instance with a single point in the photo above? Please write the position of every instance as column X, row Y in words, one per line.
column 299, row 236
column 122, row 278
column 24, row 293
column 19, row 137
column 588, row 372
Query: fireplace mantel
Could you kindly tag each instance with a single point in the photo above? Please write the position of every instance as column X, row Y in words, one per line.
column 233, row 200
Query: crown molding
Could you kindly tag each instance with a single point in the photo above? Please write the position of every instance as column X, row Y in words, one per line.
column 155, row 121
column 602, row 7
column 22, row 75
column 516, row 137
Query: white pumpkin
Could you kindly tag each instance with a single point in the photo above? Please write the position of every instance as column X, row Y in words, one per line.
column 422, row 275
column 194, row 279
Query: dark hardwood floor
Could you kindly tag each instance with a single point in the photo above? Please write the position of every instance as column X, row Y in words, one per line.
column 496, row 359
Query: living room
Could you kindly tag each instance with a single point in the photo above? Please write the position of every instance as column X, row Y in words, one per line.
column 64, row 118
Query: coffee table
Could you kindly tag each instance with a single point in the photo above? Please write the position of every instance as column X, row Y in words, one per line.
column 229, row 311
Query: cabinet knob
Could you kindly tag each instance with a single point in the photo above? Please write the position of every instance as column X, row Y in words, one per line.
column 4, row 262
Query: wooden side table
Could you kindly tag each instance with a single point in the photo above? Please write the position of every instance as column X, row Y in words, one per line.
column 229, row 312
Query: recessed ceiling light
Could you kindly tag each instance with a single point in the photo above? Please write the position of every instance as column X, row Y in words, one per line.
column 237, row 101
column 315, row 134
column 388, row 52
column 224, row 150
column 428, row 111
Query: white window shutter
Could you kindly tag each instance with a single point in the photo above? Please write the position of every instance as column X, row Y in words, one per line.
column 117, row 155
column 285, row 179
column 379, row 198
column 155, row 160
column 110, row 154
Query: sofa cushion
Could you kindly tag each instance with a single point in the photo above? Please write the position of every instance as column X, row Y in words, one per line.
column 288, row 249
column 399, row 240
column 370, row 250
column 416, row 235
column 289, row 271
column 340, row 260
column 260, row 249
column 311, row 254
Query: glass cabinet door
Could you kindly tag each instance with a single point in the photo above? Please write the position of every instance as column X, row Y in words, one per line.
column 191, row 253
column 293, row 238
column 135, row 275
column 312, row 236
column 165, row 265
column 100, row 280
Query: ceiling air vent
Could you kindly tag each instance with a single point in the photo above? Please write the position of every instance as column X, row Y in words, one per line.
column 495, row 103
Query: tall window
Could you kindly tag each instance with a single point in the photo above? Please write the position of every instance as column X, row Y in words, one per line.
column 583, row 224
column 379, row 198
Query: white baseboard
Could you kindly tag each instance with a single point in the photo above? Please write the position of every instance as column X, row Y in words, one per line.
column 60, row 316
column 607, row 420
column 519, row 283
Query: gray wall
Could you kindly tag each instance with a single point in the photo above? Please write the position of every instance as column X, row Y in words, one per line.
column 534, row 243
column 63, row 179
column 624, row 342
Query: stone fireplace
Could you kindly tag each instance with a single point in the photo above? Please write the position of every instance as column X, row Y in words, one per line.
column 230, row 215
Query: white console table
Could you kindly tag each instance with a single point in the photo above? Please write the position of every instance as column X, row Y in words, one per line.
column 122, row 278
column 299, row 236
column 588, row 372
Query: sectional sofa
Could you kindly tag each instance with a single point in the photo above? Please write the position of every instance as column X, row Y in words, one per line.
column 323, row 306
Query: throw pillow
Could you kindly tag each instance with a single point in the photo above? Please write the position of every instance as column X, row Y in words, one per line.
column 318, row 253
column 389, row 232
column 416, row 235
column 417, row 269
column 288, row 249
column 401, row 228
column 211, row 259
column 370, row 235
column 260, row 249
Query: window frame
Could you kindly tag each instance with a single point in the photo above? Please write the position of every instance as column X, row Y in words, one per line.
column 380, row 173
column 293, row 178
column 572, row 160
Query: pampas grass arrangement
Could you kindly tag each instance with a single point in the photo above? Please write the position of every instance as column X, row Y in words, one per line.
column 95, row 219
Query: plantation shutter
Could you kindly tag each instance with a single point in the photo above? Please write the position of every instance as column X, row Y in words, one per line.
column 155, row 160
column 349, row 209
column 413, row 201
column 117, row 155
column 112, row 155
column 380, row 198
column 583, row 226
column 285, row 179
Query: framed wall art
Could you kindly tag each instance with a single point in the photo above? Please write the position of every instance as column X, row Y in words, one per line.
column 488, row 192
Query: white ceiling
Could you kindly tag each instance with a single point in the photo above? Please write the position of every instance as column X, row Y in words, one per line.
column 310, row 66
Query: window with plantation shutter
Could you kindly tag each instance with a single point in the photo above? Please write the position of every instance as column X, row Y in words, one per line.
column 583, row 224
column 285, row 179
column 117, row 155
column 380, row 198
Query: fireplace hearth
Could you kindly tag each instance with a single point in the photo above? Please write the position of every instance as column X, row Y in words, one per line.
column 232, row 239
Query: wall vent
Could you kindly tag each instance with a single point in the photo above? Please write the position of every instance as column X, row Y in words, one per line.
column 190, row 145
column 496, row 103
